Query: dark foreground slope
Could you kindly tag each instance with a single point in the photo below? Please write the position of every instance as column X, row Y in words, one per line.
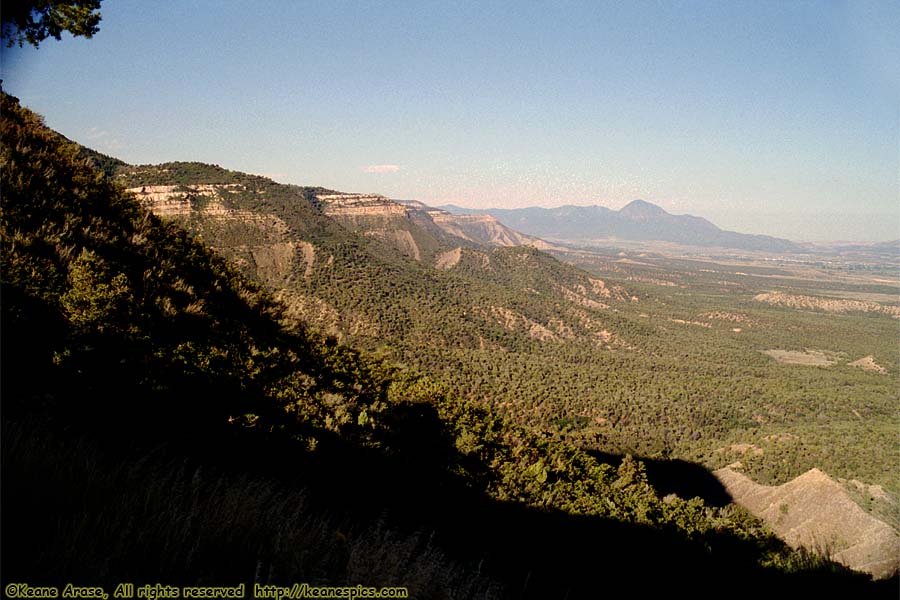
column 160, row 424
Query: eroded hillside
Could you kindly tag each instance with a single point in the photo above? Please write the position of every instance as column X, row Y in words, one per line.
column 815, row 511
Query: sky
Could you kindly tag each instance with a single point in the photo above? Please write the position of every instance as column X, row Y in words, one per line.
column 765, row 117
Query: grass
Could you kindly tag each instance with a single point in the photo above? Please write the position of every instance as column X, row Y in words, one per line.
column 76, row 512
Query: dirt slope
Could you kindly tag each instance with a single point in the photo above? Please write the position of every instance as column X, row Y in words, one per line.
column 816, row 511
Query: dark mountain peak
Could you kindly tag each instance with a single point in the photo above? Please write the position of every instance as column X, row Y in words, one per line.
column 641, row 209
column 639, row 220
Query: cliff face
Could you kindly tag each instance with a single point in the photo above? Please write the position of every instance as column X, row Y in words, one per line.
column 482, row 229
column 404, row 228
column 171, row 200
column 826, row 304
column 267, row 247
column 360, row 205
column 418, row 231
column 207, row 199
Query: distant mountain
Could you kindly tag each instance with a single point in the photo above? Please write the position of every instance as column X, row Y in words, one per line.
column 889, row 251
column 638, row 221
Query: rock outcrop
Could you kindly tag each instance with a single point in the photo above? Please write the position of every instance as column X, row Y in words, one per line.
column 269, row 247
column 360, row 205
column 826, row 304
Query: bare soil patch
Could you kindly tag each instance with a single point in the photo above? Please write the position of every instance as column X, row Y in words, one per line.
column 812, row 358
column 867, row 363
column 449, row 259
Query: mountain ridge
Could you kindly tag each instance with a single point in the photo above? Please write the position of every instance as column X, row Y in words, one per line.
column 639, row 220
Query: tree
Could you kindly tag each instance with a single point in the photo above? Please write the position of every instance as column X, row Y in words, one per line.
column 95, row 299
column 33, row 21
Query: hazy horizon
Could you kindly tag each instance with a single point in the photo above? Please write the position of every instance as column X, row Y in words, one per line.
column 778, row 119
column 775, row 220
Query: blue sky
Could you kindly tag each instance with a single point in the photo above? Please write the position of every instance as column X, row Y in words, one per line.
column 779, row 118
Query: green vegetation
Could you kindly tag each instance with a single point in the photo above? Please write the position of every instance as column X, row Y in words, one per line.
column 841, row 418
column 33, row 21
